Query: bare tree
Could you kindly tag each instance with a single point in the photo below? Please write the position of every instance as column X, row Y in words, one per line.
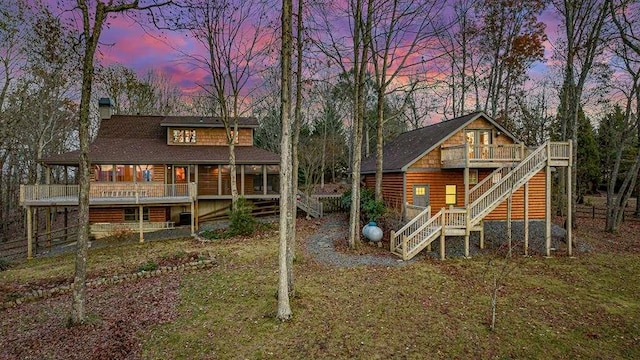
column 286, row 214
column 93, row 15
column 627, row 22
column 399, row 30
column 233, row 34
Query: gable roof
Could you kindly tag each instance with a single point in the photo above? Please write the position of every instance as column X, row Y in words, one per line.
column 127, row 139
column 410, row 146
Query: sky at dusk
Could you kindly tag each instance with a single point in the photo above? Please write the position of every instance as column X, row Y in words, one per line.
column 126, row 42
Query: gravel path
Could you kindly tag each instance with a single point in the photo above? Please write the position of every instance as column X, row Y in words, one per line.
column 321, row 246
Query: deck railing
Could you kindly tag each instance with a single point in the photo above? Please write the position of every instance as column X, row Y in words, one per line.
column 461, row 154
column 115, row 191
column 455, row 218
column 560, row 150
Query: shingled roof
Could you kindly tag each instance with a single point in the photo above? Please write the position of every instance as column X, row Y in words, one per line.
column 412, row 145
column 128, row 139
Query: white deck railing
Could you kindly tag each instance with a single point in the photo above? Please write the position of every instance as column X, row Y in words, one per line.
column 461, row 154
column 409, row 228
column 106, row 191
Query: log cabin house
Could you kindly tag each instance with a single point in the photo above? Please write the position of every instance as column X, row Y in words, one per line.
column 151, row 172
column 468, row 170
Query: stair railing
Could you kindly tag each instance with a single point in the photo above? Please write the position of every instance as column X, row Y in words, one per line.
column 487, row 183
column 408, row 228
column 510, row 182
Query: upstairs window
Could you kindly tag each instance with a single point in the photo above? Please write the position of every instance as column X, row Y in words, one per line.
column 184, row 136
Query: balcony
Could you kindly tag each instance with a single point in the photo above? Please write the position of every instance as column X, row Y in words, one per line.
column 116, row 193
column 481, row 156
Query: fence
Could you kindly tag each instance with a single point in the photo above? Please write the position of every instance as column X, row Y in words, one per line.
column 594, row 212
column 42, row 242
column 330, row 203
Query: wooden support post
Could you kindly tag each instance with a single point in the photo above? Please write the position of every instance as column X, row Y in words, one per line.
column 526, row 218
column 404, row 247
column 442, row 252
column 570, row 203
column 29, row 233
column 467, row 231
column 48, row 226
column 466, row 186
column 197, row 215
column 482, row 234
column 509, row 206
column 193, row 230
column 391, row 237
column 547, row 208
column 141, row 217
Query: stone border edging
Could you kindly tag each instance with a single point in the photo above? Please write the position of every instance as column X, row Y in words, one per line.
column 38, row 294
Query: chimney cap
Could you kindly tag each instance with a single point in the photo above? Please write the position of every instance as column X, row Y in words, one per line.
column 104, row 102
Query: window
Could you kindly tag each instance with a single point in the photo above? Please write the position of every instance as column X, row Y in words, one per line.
column 144, row 173
column 131, row 214
column 103, row 172
column 273, row 179
column 450, row 194
column 184, row 136
column 473, row 177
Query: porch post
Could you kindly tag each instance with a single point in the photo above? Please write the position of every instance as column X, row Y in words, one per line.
column 48, row 226
column 29, row 234
column 526, row 218
column 219, row 179
column 193, row 230
column 547, row 209
column 141, row 218
column 197, row 222
column 569, row 203
column 264, row 179
column 241, row 179
column 466, row 186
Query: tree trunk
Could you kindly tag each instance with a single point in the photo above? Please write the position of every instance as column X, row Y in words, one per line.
column 79, row 288
column 380, row 137
column 284, row 308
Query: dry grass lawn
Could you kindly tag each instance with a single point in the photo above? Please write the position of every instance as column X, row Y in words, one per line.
column 587, row 306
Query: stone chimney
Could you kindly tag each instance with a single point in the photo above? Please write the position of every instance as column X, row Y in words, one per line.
column 106, row 108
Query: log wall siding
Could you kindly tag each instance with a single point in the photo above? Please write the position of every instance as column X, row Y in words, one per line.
column 437, row 181
column 433, row 159
column 215, row 136
column 116, row 215
column 157, row 214
column 106, row 215
column 537, row 190
column 391, row 188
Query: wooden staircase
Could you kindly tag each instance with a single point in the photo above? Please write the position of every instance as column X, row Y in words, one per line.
column 485, row 197
column 313, row 207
